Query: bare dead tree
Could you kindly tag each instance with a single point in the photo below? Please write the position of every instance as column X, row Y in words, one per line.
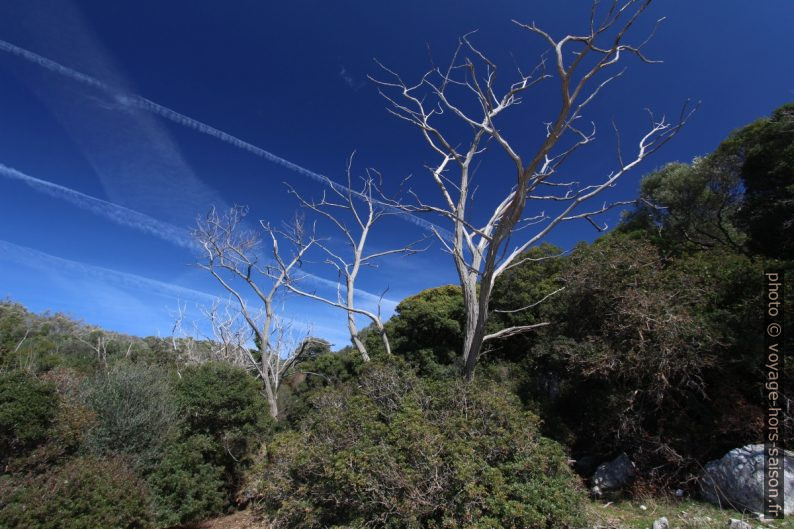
column 183, row 343
column 96, row 339
column 466, row 93
column 227, row 341
column 27, row 331
column 233, row 257
column 231, row 334
column 365, row 208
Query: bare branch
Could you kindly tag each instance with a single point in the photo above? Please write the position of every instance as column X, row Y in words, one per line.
column 371, row 205
column 531, row 305
column 512, row 331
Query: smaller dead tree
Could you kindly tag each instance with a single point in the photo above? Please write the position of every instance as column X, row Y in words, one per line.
column 97, row 340
column 183, row 344
column 364, row 208
column 233, row 257
column 231, row 335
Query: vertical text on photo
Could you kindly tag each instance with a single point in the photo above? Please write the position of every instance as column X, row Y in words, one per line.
column 773, row 391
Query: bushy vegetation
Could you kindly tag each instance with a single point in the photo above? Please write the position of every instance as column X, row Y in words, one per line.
column 85, row 493
column 186, row 484
column 175, row 437
column 641, row 349
column 135, row 412
column 651, row 348
column 396, row 451
column 223, row 402
column 428, row 328
column 27, row 408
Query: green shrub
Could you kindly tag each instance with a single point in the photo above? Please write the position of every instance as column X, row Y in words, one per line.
column 135, row 411
column 426, row 330
column 67, row 428
column 27, row 408
column 523, row 287
column 85, row 493
column 225, row 416
column 65, row 437
column 223, row 402
column 312, row 374
column 396, row 451
column 185, row 486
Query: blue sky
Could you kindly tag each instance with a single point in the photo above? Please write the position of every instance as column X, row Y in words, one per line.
column 97, row 195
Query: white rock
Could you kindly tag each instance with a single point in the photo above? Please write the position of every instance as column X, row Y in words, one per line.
column 733, row 523
column 662, row 523
column 737, row 480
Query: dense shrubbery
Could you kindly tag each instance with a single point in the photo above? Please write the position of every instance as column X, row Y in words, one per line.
column 225, row 418
column 638, row 342
column 223, row 402
column 186, row 485
column 398, row 451
column 135, row 411
column 85, row 493
column 27, row 408
column 176, row 442
column 330, row 369
column 641, row 345
column 67, row 431
column 427, row 329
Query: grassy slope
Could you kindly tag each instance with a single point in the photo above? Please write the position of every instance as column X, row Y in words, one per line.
column 684, row 514
column 623, row 514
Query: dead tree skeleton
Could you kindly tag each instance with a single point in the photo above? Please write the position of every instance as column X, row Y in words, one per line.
column 233, row 257
column 365, row 207
column 583, row 65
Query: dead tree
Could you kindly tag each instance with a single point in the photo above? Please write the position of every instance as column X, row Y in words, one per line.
column 183, row 344
column 97, row 340
column 233, row 256
column 466, row 97
column 363, row 209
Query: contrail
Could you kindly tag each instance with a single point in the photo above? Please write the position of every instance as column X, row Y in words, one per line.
column 142, row 222
column 142, row 103
column 53, row 66
column 43, row 261
column 118, row 214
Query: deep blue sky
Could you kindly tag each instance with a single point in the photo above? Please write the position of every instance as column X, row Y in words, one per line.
column 290, row 77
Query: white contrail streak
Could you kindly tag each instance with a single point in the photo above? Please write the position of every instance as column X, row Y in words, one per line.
column 142, row 103
column 44, row 261
column 114, row 212
column 53, row 66
column 36, row 259
column 142, row 222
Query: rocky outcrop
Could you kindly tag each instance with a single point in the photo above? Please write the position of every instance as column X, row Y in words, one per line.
column 736, row 480
column 613, row 475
